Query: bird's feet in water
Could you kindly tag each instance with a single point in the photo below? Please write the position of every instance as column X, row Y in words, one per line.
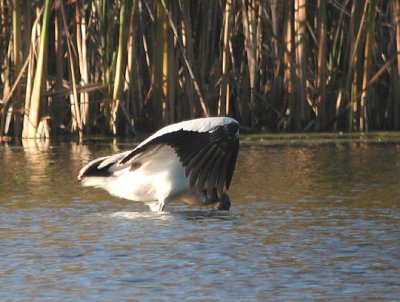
column 217, row 203
column 224, row 204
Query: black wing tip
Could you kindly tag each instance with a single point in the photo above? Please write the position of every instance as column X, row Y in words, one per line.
column 92, row 169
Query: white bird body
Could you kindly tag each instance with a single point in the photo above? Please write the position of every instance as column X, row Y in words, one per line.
column 189, row 161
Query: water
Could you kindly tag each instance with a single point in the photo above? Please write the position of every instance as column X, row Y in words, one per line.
column 308, row 222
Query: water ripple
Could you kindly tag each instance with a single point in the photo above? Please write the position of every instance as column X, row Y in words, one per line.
column 307, row 223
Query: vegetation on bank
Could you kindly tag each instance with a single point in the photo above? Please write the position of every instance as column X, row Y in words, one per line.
column 102, row 66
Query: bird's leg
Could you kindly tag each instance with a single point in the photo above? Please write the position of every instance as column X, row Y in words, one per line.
column 162, row 198
column 210, row 200
column 222, row 203
column 161, row 205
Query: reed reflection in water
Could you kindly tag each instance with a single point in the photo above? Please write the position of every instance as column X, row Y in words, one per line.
column 307, row 222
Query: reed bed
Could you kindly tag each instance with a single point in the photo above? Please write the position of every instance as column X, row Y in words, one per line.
column 118, row 67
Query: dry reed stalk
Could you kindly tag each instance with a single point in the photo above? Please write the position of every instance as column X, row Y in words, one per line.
column 29, row 77
column 8, row 93
column 365, row 98
column 250, row 31
column 300, row 15
column 288, row 62
column 187, row 43
column 16, row 20
column 5, row 77
column 224, row 95
column 160, row 55
column 396, row 69
column 170, row 75
column 74, row 104
column 30, row 127
column 321, row 68
column 129, row 83
column 119, row 70
column 355, row 70
column 58, row 113
column 81, row 43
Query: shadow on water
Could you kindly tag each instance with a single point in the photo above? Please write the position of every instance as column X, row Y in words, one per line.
column 309, row 221
column 176, row 213
column 207, row 215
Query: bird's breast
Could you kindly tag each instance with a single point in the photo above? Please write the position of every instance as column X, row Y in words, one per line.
column 160, row 175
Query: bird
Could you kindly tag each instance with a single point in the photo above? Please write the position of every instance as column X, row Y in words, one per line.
column 192, row 161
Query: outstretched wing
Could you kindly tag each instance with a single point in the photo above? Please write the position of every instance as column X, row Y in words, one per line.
column 208, row 156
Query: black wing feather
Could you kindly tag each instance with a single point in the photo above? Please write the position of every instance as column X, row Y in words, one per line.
column 214, row 164
column 198, row 167
column 209, row 158
column 222, row 177
column 231, row 164
column 213, row 176
column 196, row 163
column 206, row 170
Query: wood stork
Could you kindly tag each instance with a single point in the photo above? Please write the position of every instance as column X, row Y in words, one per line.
column 190, row 161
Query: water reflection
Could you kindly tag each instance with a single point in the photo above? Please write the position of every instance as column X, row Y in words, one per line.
column 335, row 173
column 315, row 222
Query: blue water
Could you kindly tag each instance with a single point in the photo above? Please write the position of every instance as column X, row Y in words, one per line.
column 315, row 222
